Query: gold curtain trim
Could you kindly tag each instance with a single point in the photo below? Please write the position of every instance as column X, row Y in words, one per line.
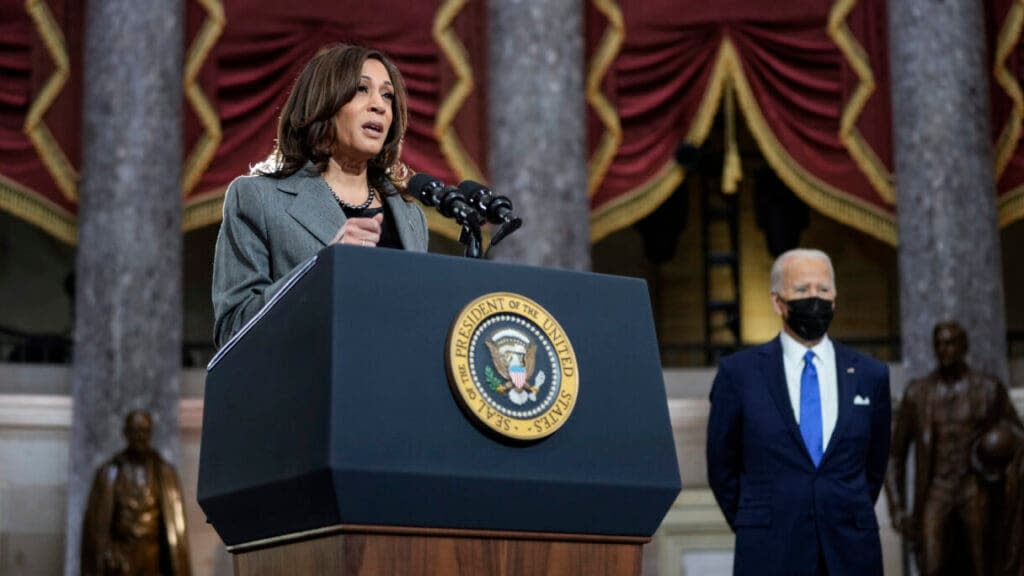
column 50, row 152
column 1011, row 207
column 455, row 52
column 601, row 61
column 637, row 203
column 32, row 208
column 634, row 204
column 206, row 147
column 205, row 209
column 1009, row 136
column 451, row 146
column 861, row 152
column 820, row 195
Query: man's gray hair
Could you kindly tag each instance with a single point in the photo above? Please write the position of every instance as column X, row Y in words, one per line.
column 798, row 252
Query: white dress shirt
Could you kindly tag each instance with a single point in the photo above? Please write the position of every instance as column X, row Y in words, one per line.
column 825, row 363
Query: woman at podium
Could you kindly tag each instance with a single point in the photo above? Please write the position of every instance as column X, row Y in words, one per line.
column 335, row 177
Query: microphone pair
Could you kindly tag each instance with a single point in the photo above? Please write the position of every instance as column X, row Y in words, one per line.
column 470, row 204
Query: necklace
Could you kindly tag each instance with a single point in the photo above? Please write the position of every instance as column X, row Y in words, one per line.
column 370, row 195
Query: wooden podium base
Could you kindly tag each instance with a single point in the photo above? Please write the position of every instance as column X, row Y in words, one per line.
column 382, row 551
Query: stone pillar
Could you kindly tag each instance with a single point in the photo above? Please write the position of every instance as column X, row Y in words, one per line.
column 538, row 138
column 949, row 259
column 128, row 312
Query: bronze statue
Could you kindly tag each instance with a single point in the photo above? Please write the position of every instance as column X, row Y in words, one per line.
column 135, row 519
column 957, row 476
column 1013, row 527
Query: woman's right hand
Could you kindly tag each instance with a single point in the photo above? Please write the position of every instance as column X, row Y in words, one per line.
column 360, row 231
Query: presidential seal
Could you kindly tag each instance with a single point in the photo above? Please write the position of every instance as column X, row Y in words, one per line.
column 511, row 367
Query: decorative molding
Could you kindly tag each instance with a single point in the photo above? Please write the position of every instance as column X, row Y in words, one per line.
column 607, row 50
column 634, row 204
column 861, row 152
column 206, row 147
column 1011, row 207
column 454, row 152
column 1009, row 36
column 455, row 53
column 35, row 209
column 54, row 412
column 49, row 150
column 819, row 194
column 204, row 209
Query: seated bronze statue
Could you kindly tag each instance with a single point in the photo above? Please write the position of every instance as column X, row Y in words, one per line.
column 135, row 520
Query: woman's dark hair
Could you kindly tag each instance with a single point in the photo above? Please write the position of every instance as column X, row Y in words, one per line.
column 306, row 130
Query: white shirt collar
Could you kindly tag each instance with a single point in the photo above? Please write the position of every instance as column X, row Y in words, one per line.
column 794, row 351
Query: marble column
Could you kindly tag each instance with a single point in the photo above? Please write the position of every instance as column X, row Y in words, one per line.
column 537, row 129
column 128, row 312
column 949, row 258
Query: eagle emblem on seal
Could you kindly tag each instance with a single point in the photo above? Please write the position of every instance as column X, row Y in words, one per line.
column 514, row 355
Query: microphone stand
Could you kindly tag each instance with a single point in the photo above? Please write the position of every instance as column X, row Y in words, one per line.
column 471, row 239
column 453, row 205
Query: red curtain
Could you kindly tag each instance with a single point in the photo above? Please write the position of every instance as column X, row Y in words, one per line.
column 809, row 77
column 252, row 66
column 40, row 79
column 245, row 54
column 790, row 78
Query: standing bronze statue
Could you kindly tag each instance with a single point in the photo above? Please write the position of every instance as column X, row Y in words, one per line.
column 947, row 417
column 135, row 520
column 1013, row 527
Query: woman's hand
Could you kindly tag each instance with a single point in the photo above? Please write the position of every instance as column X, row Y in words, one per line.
column 360, row 231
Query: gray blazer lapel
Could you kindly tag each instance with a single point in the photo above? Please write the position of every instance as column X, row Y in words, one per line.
column 313, row 206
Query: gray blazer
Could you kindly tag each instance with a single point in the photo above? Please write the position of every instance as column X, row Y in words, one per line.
column 271, row 226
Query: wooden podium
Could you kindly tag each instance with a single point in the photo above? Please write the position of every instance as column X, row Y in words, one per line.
column 329, row 448
column 374, row 551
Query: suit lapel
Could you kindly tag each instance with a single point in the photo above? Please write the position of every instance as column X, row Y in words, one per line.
column 775, row 376
column 400, row 212
column 846, row 381
column 313, row 207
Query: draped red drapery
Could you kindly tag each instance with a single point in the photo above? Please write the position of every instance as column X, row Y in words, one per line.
column 809, row 78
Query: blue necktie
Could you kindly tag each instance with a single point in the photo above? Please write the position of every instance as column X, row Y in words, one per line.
column 810, row 409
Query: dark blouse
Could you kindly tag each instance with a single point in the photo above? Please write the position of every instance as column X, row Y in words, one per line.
column 388, row 233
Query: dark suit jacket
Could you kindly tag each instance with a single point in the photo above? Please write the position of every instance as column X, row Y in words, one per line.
column 781, row 507
column 271, row 226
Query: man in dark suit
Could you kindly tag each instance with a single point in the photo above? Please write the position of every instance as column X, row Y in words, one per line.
column 798, row 438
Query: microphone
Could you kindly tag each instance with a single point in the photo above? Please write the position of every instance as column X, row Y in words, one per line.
column 449, row 201
column 497, row 209
column 426, row 188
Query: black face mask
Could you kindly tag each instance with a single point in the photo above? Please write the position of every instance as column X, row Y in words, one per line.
column 809, row 317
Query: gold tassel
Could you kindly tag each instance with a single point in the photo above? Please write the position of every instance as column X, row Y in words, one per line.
column 732, row 169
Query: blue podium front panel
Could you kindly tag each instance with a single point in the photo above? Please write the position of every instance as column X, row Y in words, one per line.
column 335, row 407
